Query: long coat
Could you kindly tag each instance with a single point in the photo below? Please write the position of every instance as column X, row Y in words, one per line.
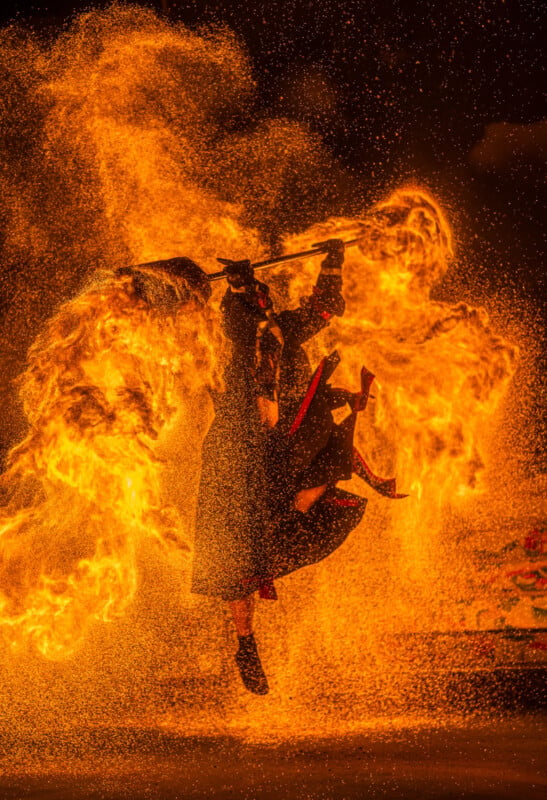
column 246, row 534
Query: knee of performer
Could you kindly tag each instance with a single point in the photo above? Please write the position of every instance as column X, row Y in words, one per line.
column 305, row 499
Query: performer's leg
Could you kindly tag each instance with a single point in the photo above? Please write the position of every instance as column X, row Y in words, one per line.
column 305, row 498
column 242, row 613
column 247, row 658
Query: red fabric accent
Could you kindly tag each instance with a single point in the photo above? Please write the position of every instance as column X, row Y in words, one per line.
column 262, row 298
column 536, row 540
column 344, row 501
column 264, row 585
column 312, row 388
column 370, row 474
column 317, row 304
column 523, row 573
column 267, row 590
column 538, row 645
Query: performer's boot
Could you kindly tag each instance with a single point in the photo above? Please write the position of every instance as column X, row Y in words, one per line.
column 359, row 399
column 384, row 486
column 250, row 668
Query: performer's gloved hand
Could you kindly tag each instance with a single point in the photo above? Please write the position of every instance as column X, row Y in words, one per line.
column 239, row 274
column 328, row 291
column 335, row 254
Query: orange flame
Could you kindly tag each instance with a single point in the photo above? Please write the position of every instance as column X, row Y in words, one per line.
column 104, row 380
column 441, row 375
column 134, row 164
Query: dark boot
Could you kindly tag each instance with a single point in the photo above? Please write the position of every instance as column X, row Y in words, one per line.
column 250, row 668
column 385, row 486
column 359, row 399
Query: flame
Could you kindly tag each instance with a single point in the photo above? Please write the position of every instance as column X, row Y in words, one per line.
column 441, row 377
column 130, row 141
column 123, row 115
column 104, row 379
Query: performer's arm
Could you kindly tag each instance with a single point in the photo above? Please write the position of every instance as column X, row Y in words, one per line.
column 250, row 322
column 325, row 301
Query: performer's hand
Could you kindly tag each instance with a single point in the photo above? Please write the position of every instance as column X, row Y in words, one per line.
column 238, row 273
column 268, row 411
column 328, row 297
column 335, row 254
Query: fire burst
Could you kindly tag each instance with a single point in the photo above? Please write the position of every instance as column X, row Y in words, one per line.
column 442, row 376
column 103, row 380
column 130, row 135
column 111, row 370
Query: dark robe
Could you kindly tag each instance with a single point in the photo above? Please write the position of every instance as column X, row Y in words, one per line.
column 247, row 534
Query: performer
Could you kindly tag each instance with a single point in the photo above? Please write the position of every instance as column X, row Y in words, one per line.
column 268, row 503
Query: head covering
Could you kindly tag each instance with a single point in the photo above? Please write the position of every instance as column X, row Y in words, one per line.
column 170, row 283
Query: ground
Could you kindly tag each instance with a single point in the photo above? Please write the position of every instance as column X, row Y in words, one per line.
column 479, row 757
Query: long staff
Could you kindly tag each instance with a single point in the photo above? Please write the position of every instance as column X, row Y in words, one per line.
column 317, row 249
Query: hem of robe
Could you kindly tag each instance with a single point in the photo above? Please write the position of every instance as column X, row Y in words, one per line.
column 319, row 532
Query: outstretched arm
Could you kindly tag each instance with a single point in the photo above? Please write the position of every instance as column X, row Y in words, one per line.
column 327, row 293
column 326, row 299
column 251, row 324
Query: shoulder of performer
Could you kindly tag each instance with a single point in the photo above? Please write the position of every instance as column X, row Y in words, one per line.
column 242, row 310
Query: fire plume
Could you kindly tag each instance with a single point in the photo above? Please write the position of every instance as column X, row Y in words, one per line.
column 442, row 374
column 103, row 381
column 131, row 152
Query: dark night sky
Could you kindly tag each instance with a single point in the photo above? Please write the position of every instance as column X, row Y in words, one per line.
column 401, row 91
